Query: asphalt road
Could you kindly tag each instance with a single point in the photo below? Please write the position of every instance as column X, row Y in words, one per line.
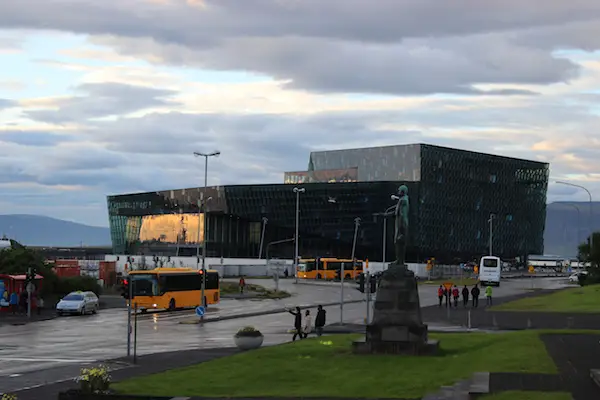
column 54, row 350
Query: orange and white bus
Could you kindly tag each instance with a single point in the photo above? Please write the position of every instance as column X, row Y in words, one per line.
column 328, row 268
column 171, row 288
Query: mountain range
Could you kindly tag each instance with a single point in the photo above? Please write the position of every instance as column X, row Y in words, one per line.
column 567, row 225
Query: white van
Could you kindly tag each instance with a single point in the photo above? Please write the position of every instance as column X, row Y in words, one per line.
column 489, row 270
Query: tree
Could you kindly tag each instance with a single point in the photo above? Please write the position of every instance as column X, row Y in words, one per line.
column 591, row 258
column 18, row 259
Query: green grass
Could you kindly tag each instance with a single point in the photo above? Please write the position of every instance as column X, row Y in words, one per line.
column 514, row 395
column 260, row 291
column 458, row 282
column 576, row 300
column 274, row 371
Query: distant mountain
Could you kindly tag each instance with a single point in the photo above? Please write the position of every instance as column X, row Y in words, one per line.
column 36, row 230
column 566, row 227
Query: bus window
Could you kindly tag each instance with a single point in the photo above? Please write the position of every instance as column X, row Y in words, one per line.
column 145, row 285
column 212, row 281
column 490, row 262
column 307, row 266
column 333, row 265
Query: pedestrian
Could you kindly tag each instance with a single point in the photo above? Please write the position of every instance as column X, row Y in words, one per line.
column 465, row 295
column 23, row 302
column 440, row 294
column 14, row 302
column 40, row 305
column 455, row 294
column 307, row 324
column 320, row 320
column 488, row 295
column 448, row 293
column 475, row 292
column 242, row 284
column 297, row 323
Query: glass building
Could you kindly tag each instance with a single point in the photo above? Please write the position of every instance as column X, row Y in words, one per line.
column 453, row 195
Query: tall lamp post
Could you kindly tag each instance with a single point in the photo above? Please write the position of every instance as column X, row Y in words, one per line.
column 591, row 210
column 262, row 236
column 297, row 191
column 491, row 222
column 206, row 156
column 385, row 216
column 578, row 221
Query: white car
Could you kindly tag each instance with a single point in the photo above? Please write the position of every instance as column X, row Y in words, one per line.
column 78, row 303
column 575, row 277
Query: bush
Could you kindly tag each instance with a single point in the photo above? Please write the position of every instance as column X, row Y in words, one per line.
column 67, row 285
column 248, row 331
column 94, row 380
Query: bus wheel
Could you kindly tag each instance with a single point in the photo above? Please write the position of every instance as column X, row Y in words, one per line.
column 172, row 305
column 347, row 276
column 318, row 276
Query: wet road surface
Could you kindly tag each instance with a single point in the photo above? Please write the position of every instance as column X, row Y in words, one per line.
column 49, row 351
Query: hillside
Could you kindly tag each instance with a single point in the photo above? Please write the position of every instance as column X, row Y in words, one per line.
column 566, row 227
column 36, row 230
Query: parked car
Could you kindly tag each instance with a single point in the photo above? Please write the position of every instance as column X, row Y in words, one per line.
column 78, row 303
column 575, row 277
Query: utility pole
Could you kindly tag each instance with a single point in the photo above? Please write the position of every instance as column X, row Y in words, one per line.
column 204, row 241
column 130, row 284
column 296, row 255
column 342, row 270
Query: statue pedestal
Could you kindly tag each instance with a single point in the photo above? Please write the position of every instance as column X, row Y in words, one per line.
column 397, row 327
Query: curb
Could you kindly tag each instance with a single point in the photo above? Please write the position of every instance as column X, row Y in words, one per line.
column 196, row 320
column 25, row 322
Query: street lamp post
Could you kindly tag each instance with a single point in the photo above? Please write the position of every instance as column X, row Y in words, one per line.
column 385, row 215
column 262, row 236
column 297, row 191
column 206, row 156
column 578, row 221
column 491, row 222
column 591, row 210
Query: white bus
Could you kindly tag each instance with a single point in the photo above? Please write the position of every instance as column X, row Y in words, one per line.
column 489, row 270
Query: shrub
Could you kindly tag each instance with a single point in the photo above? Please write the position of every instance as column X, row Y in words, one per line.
column 248, row 331
column 8, row 396
column 94, row 380
column 67, row 285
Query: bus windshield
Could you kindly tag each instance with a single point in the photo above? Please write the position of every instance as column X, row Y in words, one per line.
column 306, row 266
column 145, row 285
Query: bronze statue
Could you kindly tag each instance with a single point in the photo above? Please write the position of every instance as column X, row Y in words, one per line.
column 401, row 225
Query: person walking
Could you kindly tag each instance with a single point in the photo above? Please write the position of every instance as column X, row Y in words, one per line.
column 297, row 323
column 320, row 320
column 455, row 295
column 440, row 294
column 447, row 294
column 488, row 296
column 307, row 324
column 465, row 295
column 242, row 284
column 475, row 292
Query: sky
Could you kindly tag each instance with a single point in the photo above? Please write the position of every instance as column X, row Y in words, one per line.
column 109, row 97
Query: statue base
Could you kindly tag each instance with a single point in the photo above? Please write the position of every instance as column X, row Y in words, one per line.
column 397, row 327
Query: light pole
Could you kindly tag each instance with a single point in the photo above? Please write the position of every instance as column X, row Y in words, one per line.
column 491, row 222
column 591, row 211
column 578, row 221
column 297, row 191
column 205, row 155
column 262, row 236
column 385, row 215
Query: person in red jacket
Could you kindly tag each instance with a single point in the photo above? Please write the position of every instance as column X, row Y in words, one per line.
column 455, row 294
column 440, row 294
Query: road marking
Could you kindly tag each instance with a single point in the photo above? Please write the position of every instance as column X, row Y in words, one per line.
column 14, row 375
column 58, row 360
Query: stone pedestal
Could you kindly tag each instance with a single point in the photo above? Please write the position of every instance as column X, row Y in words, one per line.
column 397, row 327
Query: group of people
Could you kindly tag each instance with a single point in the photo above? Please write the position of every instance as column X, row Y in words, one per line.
column 454, row 294
column 302, row 328
column 19, row 303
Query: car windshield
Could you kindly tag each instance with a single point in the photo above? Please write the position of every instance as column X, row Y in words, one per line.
column 73, row 297
column 145, row 285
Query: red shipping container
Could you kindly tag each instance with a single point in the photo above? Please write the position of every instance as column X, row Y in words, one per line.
column 108, row 272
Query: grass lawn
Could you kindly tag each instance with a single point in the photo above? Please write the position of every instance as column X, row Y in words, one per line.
column 528, row 396
column 582, row 299
column 260, row 291
column 458, row 282
column 326, row 367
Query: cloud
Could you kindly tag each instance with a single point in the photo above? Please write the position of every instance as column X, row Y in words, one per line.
column 102, row 100
column 396, row 47
column 32, row 138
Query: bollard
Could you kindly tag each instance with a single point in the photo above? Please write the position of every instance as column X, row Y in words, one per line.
column 494, row 323
column 529, row 324
column 469, row 319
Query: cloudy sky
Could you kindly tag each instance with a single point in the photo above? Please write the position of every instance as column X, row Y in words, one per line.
column 106, row 97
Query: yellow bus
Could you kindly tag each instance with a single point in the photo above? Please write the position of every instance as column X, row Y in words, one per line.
column 328, row 268
column 171, row 288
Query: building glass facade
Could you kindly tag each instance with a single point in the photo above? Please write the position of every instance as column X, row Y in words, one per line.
column 452, row 195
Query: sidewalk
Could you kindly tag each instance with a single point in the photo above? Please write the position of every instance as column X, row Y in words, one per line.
column 10, row 319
